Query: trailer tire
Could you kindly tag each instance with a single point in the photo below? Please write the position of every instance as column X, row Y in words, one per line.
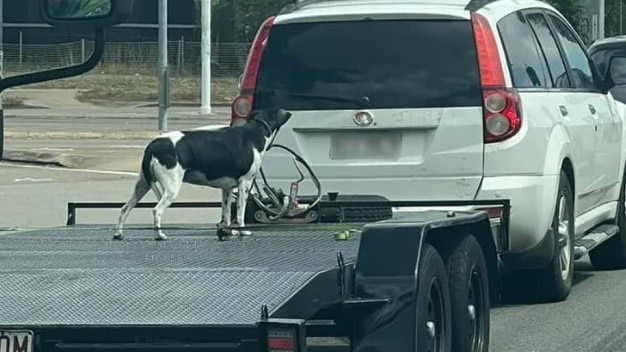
column 469, row 292
column 433, row 315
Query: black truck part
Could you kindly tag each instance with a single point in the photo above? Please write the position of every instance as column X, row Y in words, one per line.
column 72, row 288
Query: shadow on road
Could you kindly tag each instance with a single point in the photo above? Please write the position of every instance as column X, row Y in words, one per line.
column 519, row 291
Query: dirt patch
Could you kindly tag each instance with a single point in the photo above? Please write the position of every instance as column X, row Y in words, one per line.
column 107, row 89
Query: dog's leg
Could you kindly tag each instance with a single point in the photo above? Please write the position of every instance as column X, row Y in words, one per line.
column 157, row 191
column 227, row 201
column 223, row 229
column 242, row 198
column 141, row 188
column 171, row 181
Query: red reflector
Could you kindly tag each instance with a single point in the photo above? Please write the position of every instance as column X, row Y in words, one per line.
column 280, row 344
column 493, row 213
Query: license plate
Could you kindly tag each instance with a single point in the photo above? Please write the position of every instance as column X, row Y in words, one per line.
column 16, row 341
column 365, row 145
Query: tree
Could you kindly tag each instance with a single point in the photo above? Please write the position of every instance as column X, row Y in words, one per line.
column 571, row 9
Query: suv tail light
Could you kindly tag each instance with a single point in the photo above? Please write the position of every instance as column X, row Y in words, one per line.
column 501, row 106
column 242, row 105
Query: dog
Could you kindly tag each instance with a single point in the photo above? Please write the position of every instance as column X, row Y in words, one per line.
column 225, row 158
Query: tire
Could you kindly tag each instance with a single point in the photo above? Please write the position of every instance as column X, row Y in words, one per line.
column 469, row 293
column 611, row 255
column 434, row 328
column 553, row 283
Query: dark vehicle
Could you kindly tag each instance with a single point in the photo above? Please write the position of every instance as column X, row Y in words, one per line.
column 609, row 55
column 329, row 272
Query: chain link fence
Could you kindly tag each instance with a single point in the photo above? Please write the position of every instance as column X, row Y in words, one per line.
column 228, row 59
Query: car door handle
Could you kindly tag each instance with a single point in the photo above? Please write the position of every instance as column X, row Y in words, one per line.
column 563, row 110
column 592, row 109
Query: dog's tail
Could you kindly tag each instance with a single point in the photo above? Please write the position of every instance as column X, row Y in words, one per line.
column 146, row 170
column 164, row 151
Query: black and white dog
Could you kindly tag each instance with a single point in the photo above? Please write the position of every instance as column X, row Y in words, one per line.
column 225, row 158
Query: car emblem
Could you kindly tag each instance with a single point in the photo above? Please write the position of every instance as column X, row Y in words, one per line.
column 363, row 118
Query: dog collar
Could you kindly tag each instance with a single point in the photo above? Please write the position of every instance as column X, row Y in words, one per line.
column 269, row 129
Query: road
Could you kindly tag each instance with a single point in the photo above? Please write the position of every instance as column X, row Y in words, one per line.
column 593, row 319
column 35, row 196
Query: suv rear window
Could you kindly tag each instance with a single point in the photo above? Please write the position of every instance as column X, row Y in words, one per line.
column 376, row 64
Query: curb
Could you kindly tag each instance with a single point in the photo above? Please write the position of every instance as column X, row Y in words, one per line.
column 221, row 117
column 44, row 158
column 81, row 135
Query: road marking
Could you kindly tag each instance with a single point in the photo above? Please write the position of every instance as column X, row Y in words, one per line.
column 29, row 179
column 104, row 172
column 127, row 146
column 53, row 149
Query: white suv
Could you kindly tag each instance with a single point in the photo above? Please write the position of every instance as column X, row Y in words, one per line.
column 445, row 100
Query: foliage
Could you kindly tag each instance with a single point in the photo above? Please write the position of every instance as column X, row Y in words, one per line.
column 239, row 20
column 571, row 9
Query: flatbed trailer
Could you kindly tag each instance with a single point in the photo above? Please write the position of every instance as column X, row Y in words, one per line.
column 74, row 289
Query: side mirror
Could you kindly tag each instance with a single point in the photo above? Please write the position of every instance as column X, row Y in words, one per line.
column 616, row 71
column 87, row 14
column 93, row 15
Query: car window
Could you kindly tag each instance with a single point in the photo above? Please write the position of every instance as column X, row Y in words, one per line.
column 550, row 50
column 526, row 64
column 581, row 74
column 373, row 64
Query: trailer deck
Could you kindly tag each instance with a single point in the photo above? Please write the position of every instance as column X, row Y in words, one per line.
column 77, row 275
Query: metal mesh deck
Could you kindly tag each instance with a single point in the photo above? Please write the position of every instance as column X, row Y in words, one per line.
column 78, row 276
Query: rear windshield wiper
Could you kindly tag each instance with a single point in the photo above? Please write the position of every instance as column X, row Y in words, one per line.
column 363, row 101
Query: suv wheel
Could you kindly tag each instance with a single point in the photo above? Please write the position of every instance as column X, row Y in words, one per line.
column 554, row 282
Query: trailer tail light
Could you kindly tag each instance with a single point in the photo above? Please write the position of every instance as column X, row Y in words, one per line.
column 501, row 106
column 283, row 335
column 492, row 213
column 280, row 340
column 242, row 104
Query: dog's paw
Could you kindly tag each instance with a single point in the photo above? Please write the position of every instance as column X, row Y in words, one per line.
column 160, row 237
column 245, row 233
column 118, row 237
column 222, row 233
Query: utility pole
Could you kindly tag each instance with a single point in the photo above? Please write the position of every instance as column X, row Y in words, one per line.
column 621, row 17
column 205, row 107
column 163, row 73
column 1, row 75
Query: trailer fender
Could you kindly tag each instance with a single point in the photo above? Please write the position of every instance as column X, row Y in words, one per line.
column 387, row 267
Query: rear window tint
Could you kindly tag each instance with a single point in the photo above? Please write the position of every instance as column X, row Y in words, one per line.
column 369, row 64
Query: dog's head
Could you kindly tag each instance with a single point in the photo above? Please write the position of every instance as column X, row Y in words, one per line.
column 272, row 118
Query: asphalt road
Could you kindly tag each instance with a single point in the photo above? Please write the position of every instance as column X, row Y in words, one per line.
column 593, row 319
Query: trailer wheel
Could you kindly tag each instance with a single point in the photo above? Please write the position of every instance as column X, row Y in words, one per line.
column 433, row 303
column 469, row 292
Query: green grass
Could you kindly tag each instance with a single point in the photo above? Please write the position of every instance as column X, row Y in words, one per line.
column 12, row 102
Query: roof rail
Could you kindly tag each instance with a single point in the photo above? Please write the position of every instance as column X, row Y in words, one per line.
column 296, row 4
column 475, row 5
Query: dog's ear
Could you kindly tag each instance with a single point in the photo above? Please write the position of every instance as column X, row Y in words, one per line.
column 283, row 116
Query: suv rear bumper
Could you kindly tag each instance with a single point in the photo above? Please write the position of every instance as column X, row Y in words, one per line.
column 533, row 199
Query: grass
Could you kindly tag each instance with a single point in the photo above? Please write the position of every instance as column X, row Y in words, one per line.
column 12, row 102
column 104, row 89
